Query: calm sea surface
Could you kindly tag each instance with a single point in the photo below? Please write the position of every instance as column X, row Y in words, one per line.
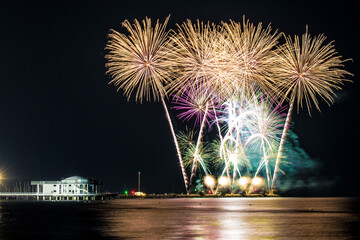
column 225, row 218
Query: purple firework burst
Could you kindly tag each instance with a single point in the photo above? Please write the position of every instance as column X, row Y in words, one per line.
column 194, row 101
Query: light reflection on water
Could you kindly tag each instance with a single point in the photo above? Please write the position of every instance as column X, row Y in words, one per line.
column 226, row 218
column 231, row 218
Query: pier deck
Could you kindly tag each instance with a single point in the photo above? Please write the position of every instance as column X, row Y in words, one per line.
column 55, row 197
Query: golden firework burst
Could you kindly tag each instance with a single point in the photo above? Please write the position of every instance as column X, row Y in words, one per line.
column 307, row 69
column 139, row 60
column 304, row 71
column 250, row 55
column 198, row 51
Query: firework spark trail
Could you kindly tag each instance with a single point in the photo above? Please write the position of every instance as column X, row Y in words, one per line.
column 196, row 50
column 217, row 123
column 304, row 71
column 265, row 159
column 235, row 120
column 196, row 155
column 282, row 142
column 203, row 165
column 250, row 119
column 232, row 153
column 266, row 126
column 141, row 60
column 223, row 156
column 176, row 145
column 261, row 165
column 192, row 103
column 250, row 49
column 219, row 160
column 222, row 174
column 195, row 101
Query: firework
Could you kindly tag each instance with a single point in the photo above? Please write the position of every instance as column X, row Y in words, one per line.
column 185, row 138
column 224, row 181
column 249, row 50
column 257, row 181
column 210, row 182
column 197, row 101
column 140, row 61
column 305, row 71
column 236, row 112
column 253, row 127
column 190, row 151
column 193, row 103
column 200, row 55
column 230, row 75
column 244, row 183
column 265, row 130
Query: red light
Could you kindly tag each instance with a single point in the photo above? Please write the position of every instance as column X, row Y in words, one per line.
column 132, row 192
column 209, row 192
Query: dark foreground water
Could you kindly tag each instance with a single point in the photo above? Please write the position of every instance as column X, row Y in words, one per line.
column 226, row 218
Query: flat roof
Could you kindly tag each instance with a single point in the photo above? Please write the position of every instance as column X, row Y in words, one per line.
column 69, row 180
column 44, row 182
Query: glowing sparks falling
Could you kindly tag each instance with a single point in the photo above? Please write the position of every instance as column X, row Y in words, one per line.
column 139, row 60
column 232, row 76
column 305, row 71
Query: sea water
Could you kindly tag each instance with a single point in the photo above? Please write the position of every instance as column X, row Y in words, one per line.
column 190, row 218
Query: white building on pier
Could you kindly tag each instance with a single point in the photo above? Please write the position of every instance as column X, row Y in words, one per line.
column 74, row 185
column 71, row 188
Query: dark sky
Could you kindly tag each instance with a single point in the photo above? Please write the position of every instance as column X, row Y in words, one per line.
column 59, row 117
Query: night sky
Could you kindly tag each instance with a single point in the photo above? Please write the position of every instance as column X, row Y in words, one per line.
column 59, row 117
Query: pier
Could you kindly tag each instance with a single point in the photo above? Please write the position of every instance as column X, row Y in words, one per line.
column 52, row 197
column 73, row 188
